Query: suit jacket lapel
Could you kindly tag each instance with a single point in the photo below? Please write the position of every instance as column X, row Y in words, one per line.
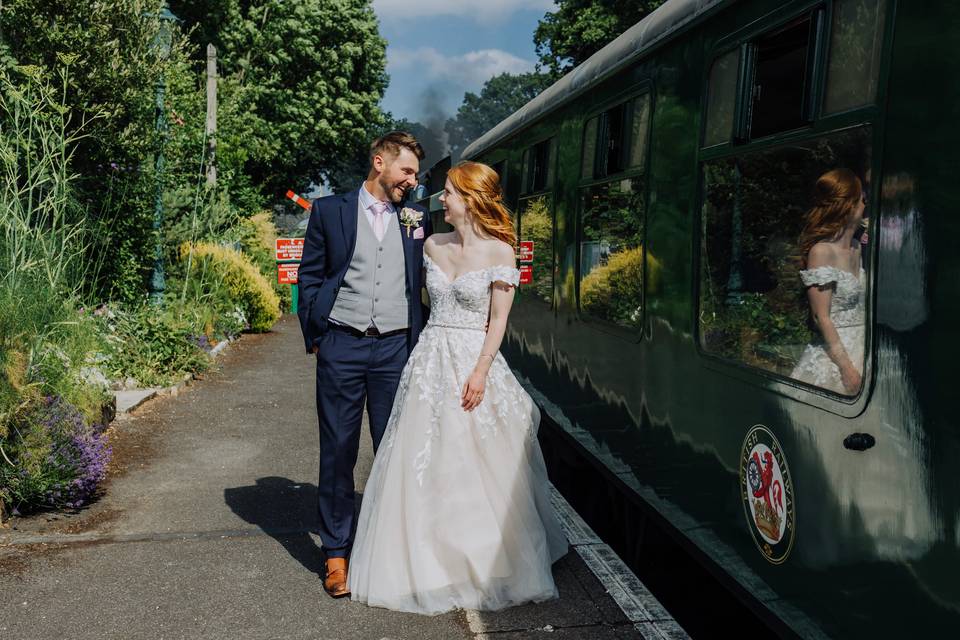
column 349, row 210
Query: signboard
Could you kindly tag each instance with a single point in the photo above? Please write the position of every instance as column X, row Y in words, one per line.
column 526, row 274
column 289, row 248
column 287, row 272
column 526, row 251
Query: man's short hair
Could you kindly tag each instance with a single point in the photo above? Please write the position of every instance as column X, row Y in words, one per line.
column 393, row 142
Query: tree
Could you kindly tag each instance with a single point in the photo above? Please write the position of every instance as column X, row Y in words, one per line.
column 110, row 49
column 353, row 168
column 579, row 28
column 314, row 74
column 500, row 96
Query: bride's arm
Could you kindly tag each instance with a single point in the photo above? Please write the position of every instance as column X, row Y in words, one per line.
column 501, row 299
column 821, row 298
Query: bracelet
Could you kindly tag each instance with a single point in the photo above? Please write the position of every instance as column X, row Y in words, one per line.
column 486, row 355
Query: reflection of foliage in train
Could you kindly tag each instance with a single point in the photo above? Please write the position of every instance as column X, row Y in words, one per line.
column 612, row 251
column 537, row 225
column 753, row 306
column 614, row 291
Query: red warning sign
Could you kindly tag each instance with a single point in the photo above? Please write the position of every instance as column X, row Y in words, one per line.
column 526, row 274
column 526, row 251
column 287, row 273
column 289, row 248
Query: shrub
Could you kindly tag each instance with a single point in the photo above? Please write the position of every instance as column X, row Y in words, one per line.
column 245, row 284
column 258, row 236
column 53, row 459
column 153, row 346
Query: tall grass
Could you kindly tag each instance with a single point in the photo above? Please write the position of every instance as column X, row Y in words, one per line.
column 44, row 242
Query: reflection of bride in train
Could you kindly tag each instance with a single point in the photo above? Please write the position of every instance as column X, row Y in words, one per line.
column 835, row 283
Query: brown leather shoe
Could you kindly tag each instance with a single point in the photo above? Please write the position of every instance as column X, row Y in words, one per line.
column 335, row 583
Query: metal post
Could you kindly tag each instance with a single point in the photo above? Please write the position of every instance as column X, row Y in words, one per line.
column 211, row 126
column 162, row 46
column 158, row 281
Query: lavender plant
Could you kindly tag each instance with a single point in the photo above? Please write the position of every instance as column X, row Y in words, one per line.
column 57, row 459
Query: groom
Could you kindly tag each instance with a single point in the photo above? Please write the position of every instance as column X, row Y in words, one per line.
column 360, row 313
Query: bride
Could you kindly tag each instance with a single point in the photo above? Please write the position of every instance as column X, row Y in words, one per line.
column 456, row 512
column 835, row 284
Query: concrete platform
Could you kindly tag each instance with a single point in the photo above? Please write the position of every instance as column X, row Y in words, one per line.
column 204, row 532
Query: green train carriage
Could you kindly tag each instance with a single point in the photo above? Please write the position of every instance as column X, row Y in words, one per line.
column 663, row 184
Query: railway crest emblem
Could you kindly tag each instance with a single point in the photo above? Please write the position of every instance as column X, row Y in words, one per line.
column 767, row 492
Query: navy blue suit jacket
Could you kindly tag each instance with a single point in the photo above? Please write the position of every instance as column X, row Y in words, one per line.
column 327, row 251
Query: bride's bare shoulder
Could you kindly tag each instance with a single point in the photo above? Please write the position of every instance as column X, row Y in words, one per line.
column 436, row 241
column 500, row 253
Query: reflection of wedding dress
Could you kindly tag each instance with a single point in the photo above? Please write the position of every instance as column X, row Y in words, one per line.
column 847, row 313
column 456, row 511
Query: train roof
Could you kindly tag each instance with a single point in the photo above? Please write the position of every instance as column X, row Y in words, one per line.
column 661, row 24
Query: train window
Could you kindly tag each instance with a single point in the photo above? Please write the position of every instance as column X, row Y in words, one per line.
column 639, row 128
column 780, row 78
column 614, row 129
column 536, row 225
column 853, row 69
column 612, row 252
column 537, row 167
column 757, row 290
column 616, row 140
column 722, row 98
column 588, row 161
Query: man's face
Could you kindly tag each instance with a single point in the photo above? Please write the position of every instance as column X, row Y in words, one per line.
column 397, row 173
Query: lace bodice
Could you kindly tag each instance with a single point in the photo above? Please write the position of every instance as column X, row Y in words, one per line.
column 465, row 301
column 847, row 305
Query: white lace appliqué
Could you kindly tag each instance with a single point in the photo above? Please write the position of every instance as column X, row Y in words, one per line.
column 847, row 313
column 446, row 354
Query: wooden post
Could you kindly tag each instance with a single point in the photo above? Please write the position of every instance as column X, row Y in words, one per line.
column 211, row 128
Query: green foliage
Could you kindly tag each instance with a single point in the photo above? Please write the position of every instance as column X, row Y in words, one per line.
column 44, row 240
column 615, row 290
column 235, row 272
column 257, row 236
column 310, row 76
column 536, row 224
column 155, row 347
column 579, row 28
column 500, row 96
column 114, row 63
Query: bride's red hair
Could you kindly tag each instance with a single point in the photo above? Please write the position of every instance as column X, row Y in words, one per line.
column 479, row 186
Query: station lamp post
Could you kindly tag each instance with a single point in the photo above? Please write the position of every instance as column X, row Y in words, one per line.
column 161, row 46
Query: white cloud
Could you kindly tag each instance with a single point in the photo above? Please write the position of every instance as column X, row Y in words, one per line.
column 469, row 70
column 490, row 11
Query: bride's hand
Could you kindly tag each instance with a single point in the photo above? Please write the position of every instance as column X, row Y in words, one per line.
column 473, row 391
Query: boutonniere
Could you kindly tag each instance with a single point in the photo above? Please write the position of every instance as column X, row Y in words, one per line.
column 410, row 218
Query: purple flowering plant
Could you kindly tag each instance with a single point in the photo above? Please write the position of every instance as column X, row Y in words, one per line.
column 59, row 460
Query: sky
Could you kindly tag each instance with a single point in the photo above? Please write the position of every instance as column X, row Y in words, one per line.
column 439, row 49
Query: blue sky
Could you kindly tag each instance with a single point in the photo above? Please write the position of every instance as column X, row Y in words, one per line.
column 438, row 49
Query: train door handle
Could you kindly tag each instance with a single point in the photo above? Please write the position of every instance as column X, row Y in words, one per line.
column 859, row 441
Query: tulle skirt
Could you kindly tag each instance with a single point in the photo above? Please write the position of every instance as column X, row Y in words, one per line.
column 456, row 512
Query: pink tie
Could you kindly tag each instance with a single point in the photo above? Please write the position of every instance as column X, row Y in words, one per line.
column 379, row 208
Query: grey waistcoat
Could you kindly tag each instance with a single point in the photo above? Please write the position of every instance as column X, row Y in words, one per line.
column 374, row 290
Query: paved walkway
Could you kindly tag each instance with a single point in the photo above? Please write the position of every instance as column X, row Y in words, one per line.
column 204, row 531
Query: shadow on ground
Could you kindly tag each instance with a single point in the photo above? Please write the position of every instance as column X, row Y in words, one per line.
column 285, row 510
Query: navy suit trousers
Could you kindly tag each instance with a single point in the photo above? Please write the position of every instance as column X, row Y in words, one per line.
column 351, row 371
